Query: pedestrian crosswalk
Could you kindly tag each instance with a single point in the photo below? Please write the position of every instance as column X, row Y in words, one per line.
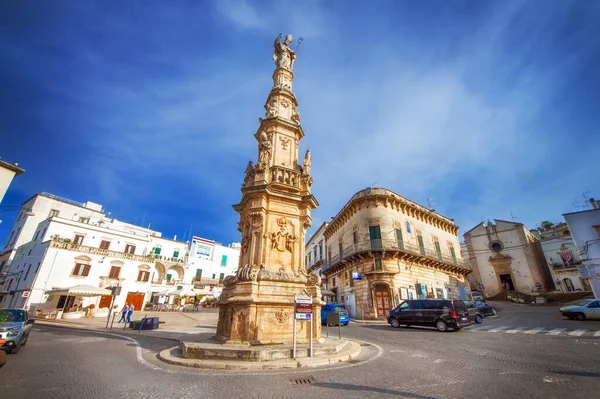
column 580, row 332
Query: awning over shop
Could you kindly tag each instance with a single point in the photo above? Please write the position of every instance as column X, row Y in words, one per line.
column 80, row 290
column 327, row 293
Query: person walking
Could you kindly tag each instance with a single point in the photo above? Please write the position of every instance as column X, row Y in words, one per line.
column 130, row 312
column 123, row 313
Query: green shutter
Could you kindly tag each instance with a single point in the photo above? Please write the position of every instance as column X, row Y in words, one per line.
column 399, row 239
column 198, row 272
column 453, row 255
column 157, row 250
column 421, row 245
column 438, row 250
column 169, row 277
column 175, row 254
column 378, row 265
column 374, row 232
column 224, row 260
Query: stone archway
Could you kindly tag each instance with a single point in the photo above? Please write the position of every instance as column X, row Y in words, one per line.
column 502, row 267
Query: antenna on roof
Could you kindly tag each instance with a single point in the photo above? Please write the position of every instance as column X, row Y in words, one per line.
column 513, row 217
column 430, row 203
column 585, row 199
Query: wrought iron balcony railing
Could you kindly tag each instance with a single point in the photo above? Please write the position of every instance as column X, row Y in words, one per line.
column 389, row 245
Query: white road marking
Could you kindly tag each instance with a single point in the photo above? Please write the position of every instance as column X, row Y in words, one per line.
column 183, row 370
column 556, row 331
column 535, row 330
column 577, row 333
column 597, row 333
column 497, row 329
column 484, row 328
column 515, row 330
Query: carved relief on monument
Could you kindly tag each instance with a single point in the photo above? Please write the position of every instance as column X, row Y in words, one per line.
column 306, row 163
column 249, row 174
column 282, row 240
column 282, row 316
column 313, row 279
column 284, row 142
column 295, row 116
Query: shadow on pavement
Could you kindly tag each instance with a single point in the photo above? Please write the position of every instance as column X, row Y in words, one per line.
column 365, row 388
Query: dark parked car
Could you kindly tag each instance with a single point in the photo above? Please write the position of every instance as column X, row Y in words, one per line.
column 486, row 309
column 439, row 313
column 475, row 314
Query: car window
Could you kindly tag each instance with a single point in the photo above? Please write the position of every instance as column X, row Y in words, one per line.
column 595, row 304
column 339, row 309
column 583, row 303
column 415, row 305
column 13, row 315
column 459, row 305
column 480, row 304
column 403, row 306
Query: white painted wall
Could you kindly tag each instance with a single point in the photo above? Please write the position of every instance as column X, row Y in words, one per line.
column 587, row 239
column 6, row 177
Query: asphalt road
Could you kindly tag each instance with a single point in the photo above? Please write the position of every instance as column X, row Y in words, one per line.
column 406, row 362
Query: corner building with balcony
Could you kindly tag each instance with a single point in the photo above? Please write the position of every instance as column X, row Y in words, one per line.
column 383, row 248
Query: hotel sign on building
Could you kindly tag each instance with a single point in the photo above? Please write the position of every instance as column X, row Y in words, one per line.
column 202, row 248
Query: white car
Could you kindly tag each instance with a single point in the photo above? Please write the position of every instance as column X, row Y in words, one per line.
column 586, row 309
column 476, row 295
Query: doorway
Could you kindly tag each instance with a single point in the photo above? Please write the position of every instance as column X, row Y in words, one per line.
column 382, row 300
column 105, row 301
column 506, row 278
column 136, row 299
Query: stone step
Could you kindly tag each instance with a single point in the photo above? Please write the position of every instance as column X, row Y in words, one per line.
column 262, row 353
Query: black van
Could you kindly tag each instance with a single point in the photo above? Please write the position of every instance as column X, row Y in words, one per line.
column 439, row 313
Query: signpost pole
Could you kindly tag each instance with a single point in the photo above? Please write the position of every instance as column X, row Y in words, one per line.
column 294, row 334
column 311, row 334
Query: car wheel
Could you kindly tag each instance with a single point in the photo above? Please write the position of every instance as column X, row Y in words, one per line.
column 25, row 340
column 441, row 325
column 394, row 322
column 15, row 350
column 478, row 319
column 580, row 316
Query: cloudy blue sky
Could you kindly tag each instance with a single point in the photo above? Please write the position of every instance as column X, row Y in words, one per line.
column 485, row 107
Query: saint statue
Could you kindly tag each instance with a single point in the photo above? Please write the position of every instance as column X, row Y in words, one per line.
column 264, row 155
column 284, row 56
column 306, row 163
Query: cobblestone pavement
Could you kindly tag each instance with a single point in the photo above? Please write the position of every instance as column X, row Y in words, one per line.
column 415, row 363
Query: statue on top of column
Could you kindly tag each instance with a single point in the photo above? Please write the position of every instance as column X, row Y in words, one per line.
column 284, row 56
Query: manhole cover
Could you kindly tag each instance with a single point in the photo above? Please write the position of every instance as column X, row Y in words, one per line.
column 303, row 381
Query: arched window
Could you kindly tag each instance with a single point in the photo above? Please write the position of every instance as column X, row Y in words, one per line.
column 408, row 229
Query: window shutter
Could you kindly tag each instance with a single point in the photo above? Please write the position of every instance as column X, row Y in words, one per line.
column 86, row 270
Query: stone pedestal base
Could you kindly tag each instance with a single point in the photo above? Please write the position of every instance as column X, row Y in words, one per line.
column 261, row 312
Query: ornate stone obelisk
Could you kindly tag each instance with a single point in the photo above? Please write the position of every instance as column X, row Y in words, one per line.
column 257, row 304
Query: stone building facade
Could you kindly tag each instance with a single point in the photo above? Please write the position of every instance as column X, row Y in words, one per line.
column 507, row 252
column 382, row 248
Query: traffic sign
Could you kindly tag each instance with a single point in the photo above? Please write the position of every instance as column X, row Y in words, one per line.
column 26, row 294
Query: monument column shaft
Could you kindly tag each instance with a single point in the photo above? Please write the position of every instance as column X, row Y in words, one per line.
column 257, row 304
